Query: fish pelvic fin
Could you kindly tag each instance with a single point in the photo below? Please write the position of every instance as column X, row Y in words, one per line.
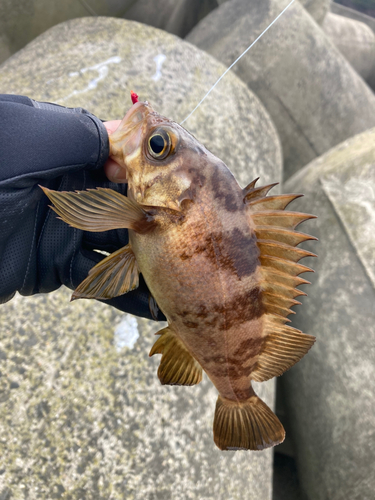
column 113, row 276
column 177, row 365
column 100, row 209
column 246, row 425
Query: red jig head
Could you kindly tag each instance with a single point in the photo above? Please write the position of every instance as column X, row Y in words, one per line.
column 134, row 97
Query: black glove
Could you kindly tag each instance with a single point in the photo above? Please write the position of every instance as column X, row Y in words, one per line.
column 63, row 149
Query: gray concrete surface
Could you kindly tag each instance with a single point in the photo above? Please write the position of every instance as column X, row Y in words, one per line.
column 316, row 8
column 330, row 394
column 337, row 8
column 23, row 20
column 355, row 40
column 83, row 415
column 175, row 17
column 316, row 99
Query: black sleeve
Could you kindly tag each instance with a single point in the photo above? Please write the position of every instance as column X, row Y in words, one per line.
column 42, row 140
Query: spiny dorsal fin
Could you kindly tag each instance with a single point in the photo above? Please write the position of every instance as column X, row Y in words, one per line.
column 177, row 365
column 283, row 235
column 280, row 289
column 99, row 209
column 276, row 277
column 287, row 220
column 250, row 192
column 113, row 276
column 278, row 202
column 277, row 239
column 287, row 267
column 282, row 250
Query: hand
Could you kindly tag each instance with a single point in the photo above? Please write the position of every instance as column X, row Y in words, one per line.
column 113, row 170
column 62, row 149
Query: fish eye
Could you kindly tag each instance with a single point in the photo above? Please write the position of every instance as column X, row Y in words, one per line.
column 159, row 144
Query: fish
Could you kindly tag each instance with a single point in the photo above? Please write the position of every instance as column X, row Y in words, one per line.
column 221, row 262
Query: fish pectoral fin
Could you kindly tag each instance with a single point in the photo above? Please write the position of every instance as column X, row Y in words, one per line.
column 246, row 425
column 283, row 347
column 113, row 276
column 177, row 365
column 100, row 209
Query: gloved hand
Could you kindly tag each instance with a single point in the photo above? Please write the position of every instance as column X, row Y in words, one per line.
column 62, row 149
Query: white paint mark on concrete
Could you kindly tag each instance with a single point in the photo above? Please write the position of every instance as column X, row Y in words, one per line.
column 126, row 332
column 159, row 59
column 100, row 68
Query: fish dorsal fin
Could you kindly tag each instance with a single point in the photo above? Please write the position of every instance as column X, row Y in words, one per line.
column 250, row 192
column 99, row 209
column 113, row 276
column 277, row 239
column 177, row 365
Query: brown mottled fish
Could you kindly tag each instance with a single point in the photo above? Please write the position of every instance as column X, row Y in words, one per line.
column 220, row 261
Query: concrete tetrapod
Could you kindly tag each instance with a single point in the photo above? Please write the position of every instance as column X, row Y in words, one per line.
column 87, row 410
column 23, row 20
column 330, row 395
column 317, row 9
column 312, row 93
column 342, row 10
column 175, row 17
column 355, row 41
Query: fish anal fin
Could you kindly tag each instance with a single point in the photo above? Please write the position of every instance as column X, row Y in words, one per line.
column 177, row 365
column 246, row 425
column 283, row 347
column 100, row 209
column 113, row 276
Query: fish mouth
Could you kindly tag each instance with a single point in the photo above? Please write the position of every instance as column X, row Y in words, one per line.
column 125, row 142
column 136, row 114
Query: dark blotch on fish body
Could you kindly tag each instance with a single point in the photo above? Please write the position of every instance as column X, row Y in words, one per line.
column 222, row 191
column 240, row 309
column 234, row 251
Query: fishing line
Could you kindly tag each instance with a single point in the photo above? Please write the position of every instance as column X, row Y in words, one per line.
column 238, row 58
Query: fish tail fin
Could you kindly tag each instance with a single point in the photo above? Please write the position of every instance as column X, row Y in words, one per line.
column 246, row 425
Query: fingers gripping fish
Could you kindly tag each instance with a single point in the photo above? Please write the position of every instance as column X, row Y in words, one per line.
column 220, row 261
